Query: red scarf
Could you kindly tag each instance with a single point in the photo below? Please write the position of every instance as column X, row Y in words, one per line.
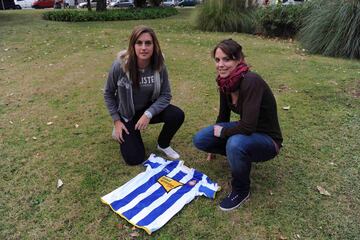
column 232, row 82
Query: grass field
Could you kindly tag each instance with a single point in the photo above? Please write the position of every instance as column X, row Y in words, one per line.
column 54, row 72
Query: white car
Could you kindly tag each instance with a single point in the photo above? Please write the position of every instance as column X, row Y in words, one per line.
column 84, row 4
column 292, row 2
column 21, row 4
column 121, row 4
column 169, row 3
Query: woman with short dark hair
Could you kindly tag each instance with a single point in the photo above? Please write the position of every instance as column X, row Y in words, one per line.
column 256, row 136
column 137, row 93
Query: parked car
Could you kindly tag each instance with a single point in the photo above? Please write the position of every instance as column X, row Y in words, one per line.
column 84, row 4
column 121, row 4
column 292, row 2
column 70, row 3
column 44, row 4
column 169, row 3
column 20, row 4
column 184, row 3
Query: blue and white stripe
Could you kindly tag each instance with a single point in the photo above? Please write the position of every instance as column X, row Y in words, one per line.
column 145, row 203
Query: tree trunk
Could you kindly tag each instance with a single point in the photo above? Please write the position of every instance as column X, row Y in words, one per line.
column 101, row 5
column 155, row 3
column 88, row 5
column 140, row 3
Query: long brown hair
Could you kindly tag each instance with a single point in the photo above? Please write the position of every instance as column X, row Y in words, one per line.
column 157, row 59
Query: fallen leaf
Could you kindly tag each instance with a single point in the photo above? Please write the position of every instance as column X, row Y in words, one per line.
column 120, row 226
column 76, row 125
column 298, row 236
column 322, row 191
column 286, row 107
column 281, row 237
column 59, row 183
column 133, row 228
column 34, row 138
column 49, row 123
column 11, row 122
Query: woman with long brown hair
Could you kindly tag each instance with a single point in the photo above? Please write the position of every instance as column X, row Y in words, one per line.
column 137, row 93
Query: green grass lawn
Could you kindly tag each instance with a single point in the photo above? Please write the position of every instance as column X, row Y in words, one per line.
column 55, row 72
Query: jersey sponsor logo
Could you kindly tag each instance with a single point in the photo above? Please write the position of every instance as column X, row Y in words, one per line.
column 169, row 183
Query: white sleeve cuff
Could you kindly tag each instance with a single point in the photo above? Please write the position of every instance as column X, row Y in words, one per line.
column 148, row 114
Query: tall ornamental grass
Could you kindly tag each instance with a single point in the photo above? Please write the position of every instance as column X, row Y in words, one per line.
column 332, row 28
column 226, row 16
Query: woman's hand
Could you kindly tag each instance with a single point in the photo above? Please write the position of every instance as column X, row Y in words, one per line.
column 210, row 156
column 119, row 128
column 217, row 130
column 142, row 123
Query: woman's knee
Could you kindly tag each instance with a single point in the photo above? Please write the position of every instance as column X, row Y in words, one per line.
column 135, row 158
column 133, row 151
column 178, row 115
column 173, row 116
column 197, row 140
column 235, row 145
column 202, row 140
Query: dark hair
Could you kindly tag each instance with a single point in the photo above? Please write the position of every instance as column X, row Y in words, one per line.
column 231, row 48
column 157, row 59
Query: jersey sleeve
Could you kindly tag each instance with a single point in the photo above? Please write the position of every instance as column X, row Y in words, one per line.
column 207, row 187
column 154, row 162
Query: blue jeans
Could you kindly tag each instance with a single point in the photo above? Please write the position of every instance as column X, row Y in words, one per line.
column 241, row 150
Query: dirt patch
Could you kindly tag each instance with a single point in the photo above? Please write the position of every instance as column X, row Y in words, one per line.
column 354, row 90
column 283, row 88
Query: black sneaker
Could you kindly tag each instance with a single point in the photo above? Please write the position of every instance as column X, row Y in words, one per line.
column 234, row 200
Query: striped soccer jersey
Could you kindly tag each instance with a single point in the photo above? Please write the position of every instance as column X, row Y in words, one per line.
column 153, row 197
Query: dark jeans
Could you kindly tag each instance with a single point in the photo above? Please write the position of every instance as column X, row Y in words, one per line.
column 241, row 150
column 133, row 150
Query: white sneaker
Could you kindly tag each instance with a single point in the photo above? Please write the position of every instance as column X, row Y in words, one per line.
column 169, row 152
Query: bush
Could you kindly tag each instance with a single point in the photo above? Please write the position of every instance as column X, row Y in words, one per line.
column 109, row 15
column 226, row 16
column 281, row 21
column 332, row 29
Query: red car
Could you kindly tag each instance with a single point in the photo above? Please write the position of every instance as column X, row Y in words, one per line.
column 45, row 3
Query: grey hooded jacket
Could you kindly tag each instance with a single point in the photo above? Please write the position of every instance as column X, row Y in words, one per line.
column 118, row 93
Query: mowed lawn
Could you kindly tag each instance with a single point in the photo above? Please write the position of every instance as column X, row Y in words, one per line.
column 54, row 125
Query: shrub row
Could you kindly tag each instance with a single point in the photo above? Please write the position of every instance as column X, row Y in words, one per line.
column 324, row 27
column 109, row 15
column 275, row 20
column 281, row 21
